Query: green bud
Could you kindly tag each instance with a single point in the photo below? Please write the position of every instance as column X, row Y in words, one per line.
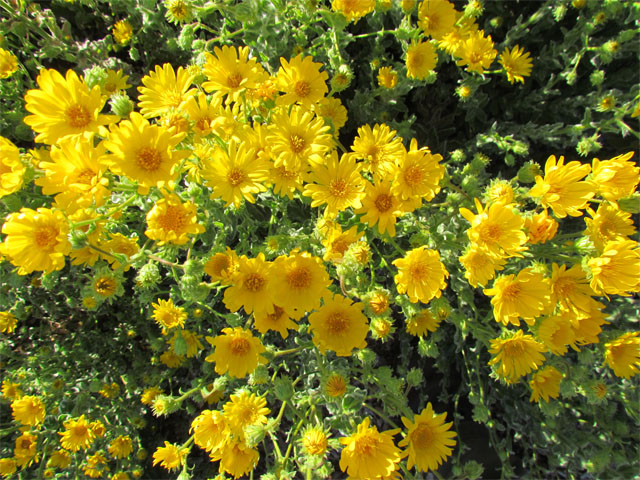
column 342, row 78
column 94, row 76
column 496, row 22
column 134, row 54
column 571, row 77
column 366, row 356
column 528, row 172
column 480, row 161
column 185, row 40
column 184, row 475
column 49, row 281
column 283, row 388
column 198, row 45
column 148, row 276
column 559, row 12
column 588, row 145
column 473, row 470
column 415, row 377
column 78, row 239
column 458, row 156
column 596, row 78
column 611, row 47
column 480, row 414
column 220, row 383
column 630, row 204
column 254, row 434
column 193, row 267
column 473, row 9
column 520, row 148
column 471, row 185
column 259, row 376
column 121, row 105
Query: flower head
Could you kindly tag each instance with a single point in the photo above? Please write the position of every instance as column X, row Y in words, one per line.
column 8, row 63
column 164, row 90
column 301, row 81
column 516, row 63
column 622, row 354
column 617, row 270
column 170, row 456
column 608, row 223
column 222, row 266
column 353, row 9
column 11, row 168
column 545, row 384
column 339, row 325
column 421, row 323
column 244, row 409
column 122, row 32
column 236, row 458
column 480, row 265
column 121, row 446
column 387, row 77
column 615, row 178
column 172, row 221
column 476, row 52
column 167, row 315
column 28, row 410
column 335, row 385
column 437, row 17
column 236, row 351
column 210, row 430
column 381, row 206
column 516, row 355
column 315, row 440
column 421, row 59
column 421, row 275
column 77, row 434
column 540, row 227
column 8, row 322
column 252, row 286
column 379, row 147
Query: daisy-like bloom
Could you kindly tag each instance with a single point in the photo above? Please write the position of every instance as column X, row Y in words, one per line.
column 8, row 322
column 301, row 81
column 381, row 206
column 556, row 332
column 421, row 323
column 210, row 430
column 64, row 106
column 377, row 302
column 149, row 395
column 244, row 409
column 339, row 325
column 516, row 64
column 387, row 77
column 500, row 191
column 421, row 59
column 115, row 82
column 353, row 10
column 526, row 295
column 143, row 152
column 369, row 453
column 59, row 459
column 338, row 184
column 170, row 456
column 231, row 72
column 418, row 174
column 617, row 270
column 222, row 266
column 172, row 221
column 77, row 434
column 280, row 321
column 516, row 355
column 545, row 384
column 298, row 138
column 28, row 410
column 498, row 228
column 335, row 386
column 622, row 354
column 11, row 168
column 428, row 441
column 164, row 90
column 236, row 352
column 236, row 174
column 336, row 242
column 615, row 178
column 561, row 189
column 8, row 63
column 190, row 341
column 379, row 148
column 587, row 326
column 570, row 288
column 236, row 458
column 122, row 32
column 480, row 265
column 178, row 11
column 608, row 223
column 540, row 227
column 8, row 466
column 285, row 182
column 315, row 440
column 121, row 447
column 476, row 52
column 36, row 240
column 202, row 113
column 331, row 108
column 437, row 17
column 421, row 275
column 251, row 287
column 452, row 40
column 10, row 390
column 167, row 315
column 25, row 451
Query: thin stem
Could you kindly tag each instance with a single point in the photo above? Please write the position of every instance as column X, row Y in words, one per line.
column 381, row 415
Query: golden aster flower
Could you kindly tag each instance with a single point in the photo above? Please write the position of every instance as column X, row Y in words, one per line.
column 408, row 6
column 25, row 452
column 617, row 270
column 480, row 265
column 210, row 430
column 353, row 10
column 145, row 153
column 64, row 106
column 149, row 395
column 608, row 223
column 280, row 321
column 500, row 191
column 381, row 206
column 453, row 39
column 121, row 447
column 561, row 189
column 336, row 183
column 8, row 467
column 298, row 138
column 178, row 11
column 339, row 325
column 369, row 453
column 167, row 315
column 236, row 458
column 421, row 59
column 106, row 284
column 516, row 355
column 222, row 266
column 118, row 243
column 59, row 459
column 122, row 32
column 170, row 457
column 77, row 434
column 10, row 390
column 236, row 352
column 418, row 174
column 172, row 360
column 378, row 302
column 599, row 390
column 244, row 409
column 236, row 174
column 545, row 384
column 428, row 441
column 570, row 288
column 8, row 63
column 36, row 240
column 421, row 323
column 379, row 148
column 516, row 64
column 231, row 72
column 587, row 326
column 615, row 178
column 172, row 221
column 285, row 182
column 301, row 81
column 335, row 385
column 164, row 90
column 382, row 328
column 315, row 440
column 331, row 108
column 436, row 17
column 387, row 77
column 8, row 322
column 202, row 112
column 11, row 168
column 251, row 287
column 498, row 228
column 336, row 242
column 421, row 275
column 556, row 332
column 525, row 295
column 115, row 82
column 28, row 410
column 98, row 427
column 540, row 227
column 622, row 354
column 606, row 103
column 476, row 52
column 189, row 341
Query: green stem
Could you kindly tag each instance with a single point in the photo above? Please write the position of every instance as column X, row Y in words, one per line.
column 163, row 261
column 381, row 415
column 187, row 394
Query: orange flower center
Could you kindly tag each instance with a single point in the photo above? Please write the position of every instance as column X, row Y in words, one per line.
column 383, row 202
column 105, row 286
column 418, row 272
column 337, row 323
column 490, row 232
column 367, row 444
column 511, row 292
column 286, row 174
column 422, row 437
column 46, row 237
column 415, row 61
column 173, row 219
column 78, row 116
column 203, row 124
column 514, row 348
column 219, row 263
column 340, row 246
column 234, row 80
column 239, row 346
column 302, row 88
column 563, row 287
column 413, row 175
column 254, row 282
column 338, row 188
column 372, row 152
column 25, row 444
column 299, row 277
column 86, row 176
column 80, row 431
column 148, row 159
column 276, row 316
column 235, row 177
column 297, row 143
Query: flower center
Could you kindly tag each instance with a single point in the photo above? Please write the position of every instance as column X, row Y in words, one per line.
column 85, row 177
column 235, row 177
column 302, row 89
column 337, row 323
column 415, row 61
column 299, row 277
column 173, row 219
column 514, row 349
column 383, row 202
column 234, row 80
column 25, row 444
column 564, row 287
column 297, row 143
column 80, row 431
column 239, row 346
column 366, row 445
column 203, row 124
column 422, row 437
column 413, row 175
column 338, row 188
column 490, row 232
column 148, row 159
column 511, row 292
column 46, row 237
column 418, row 272
column 105, row 286
column 276, row 316
column 339, row 246
column 78, row 116
column 286, row 174
column 254, row 282
column 372, row 152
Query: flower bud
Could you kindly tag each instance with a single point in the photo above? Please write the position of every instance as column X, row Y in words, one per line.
column 528, row 172
column 283, row 388
column 148, row 276
column 415, row 377
column 630, row 204
column 597, row 78
column 121, row 104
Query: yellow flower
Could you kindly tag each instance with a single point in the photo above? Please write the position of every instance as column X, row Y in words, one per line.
column 149, row 395
column 379, row 148
column 428, row 441
column 25, row 452
column 77, row 434
column 545, row 384
column 236, row 352
column 222, row 266
column 622, row 354
column 191, row 341
column 28, row 410
column 210, row 430
column 451, row 41
column 167, row 315
column 561, row 188
column 570, row 288
column 170, row 456
column 8, row 63
column 556, row 332
column 480, row 265
column 118, row 243
column 421, row 275
column 105, row 284
column 421, row 323
column 353, row 9
column 236, row 458
column 164, row 90
column 178, row 11
column 387, row 77
column 203, row 113
column 301, row 81
column 36, row 240
column 608, row 223
column 122, row 32
column 331, row 108
column 337, row 242
column 10, row 390
column 121, row 447
column 516, row 355
column 369, row 453
column 339, row 326
column 251, row 287
column 171, row 221
column 615, row 178
column 315, row 440
column 540, row 227
column 500, row 191
column 436, row 17
column 115, row 82
column 421, row 59
column 7, row 467
column 172, row 360
column 378, row 302
column 476, row 52
column 11, row 168
column 516, row 64
column 59, row 459
column 64, row 106
column 381, row 206
column 335, row 386
column 588, row 325
column 418, row 174
column 617, row 270
column 244, row 409
column 8, row 322
column 525, row 295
